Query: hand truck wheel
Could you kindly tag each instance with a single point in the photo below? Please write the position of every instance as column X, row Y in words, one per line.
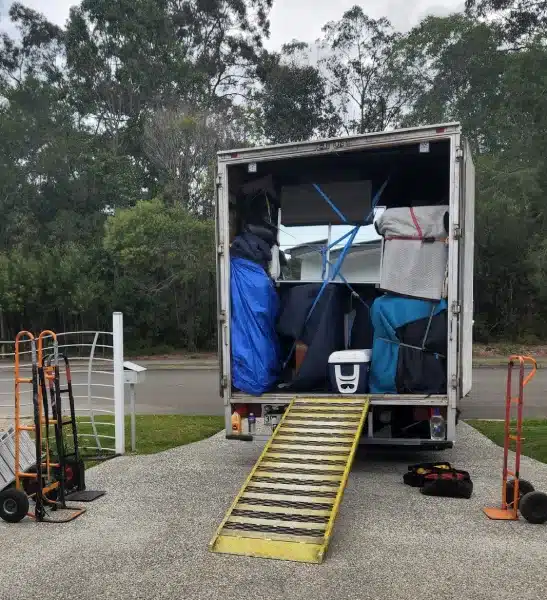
column 533, row 507
column 14, row 505
column 525, row 487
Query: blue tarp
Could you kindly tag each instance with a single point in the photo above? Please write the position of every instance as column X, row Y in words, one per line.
column 255, row 348
column 388, row 314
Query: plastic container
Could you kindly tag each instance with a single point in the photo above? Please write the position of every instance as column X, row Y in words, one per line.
column 251, row 419
column 236, row 423
column 437, row 426
column 349, row 371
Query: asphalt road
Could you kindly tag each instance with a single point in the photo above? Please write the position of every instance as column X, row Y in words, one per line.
column 487, row 398
column 196, row 392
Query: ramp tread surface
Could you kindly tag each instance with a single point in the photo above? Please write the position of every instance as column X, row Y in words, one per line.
column 287, row 507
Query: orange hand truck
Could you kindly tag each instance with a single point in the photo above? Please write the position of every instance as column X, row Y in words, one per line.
column 73, row 474
column 39, row 484
column 517, row 494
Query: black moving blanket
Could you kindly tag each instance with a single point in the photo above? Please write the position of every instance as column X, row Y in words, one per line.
column 423, row 371
column 323, row 333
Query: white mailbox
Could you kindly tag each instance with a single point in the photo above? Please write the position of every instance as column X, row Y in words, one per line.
column 133, row 373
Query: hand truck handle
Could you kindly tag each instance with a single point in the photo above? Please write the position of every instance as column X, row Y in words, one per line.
column 522, row 360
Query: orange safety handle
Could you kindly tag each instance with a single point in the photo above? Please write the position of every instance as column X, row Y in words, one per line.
column 43, row 334
column 522, row 361
column 21, row 336
column 41, row 337
column 523, row 382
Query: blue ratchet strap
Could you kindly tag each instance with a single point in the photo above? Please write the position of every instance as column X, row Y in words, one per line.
column 375, row 200
column 323, row 251
column 352, row 234
column 340, row 274
column 331, row 246
column 329, row 202
column 324, row 261
column 353, row 291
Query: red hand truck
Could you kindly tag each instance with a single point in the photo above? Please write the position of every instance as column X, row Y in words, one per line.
column 516, row 493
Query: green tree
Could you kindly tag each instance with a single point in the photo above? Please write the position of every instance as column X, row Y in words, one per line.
column 130, row 60
column 182, row 143
column 498, row 97
column 521, row 19
column 56, row 180
column 65, row 288
column 291, row 102
column 164, row 276
column 37, row 52
column 58, row 174
column 462, row 66
column 127, row 56
column 505, row 298
column 368, row 82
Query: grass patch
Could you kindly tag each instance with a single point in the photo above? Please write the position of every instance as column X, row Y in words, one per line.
column 534, row 431
column 155, row 433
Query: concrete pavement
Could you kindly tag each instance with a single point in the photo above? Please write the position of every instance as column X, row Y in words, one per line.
column 148, row 537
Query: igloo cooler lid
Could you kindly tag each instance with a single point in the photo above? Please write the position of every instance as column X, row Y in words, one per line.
column 354, row 357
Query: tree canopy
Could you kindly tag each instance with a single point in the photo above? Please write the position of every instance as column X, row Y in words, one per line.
column 111, row 123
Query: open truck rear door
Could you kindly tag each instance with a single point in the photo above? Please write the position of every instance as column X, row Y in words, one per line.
column 467, row 247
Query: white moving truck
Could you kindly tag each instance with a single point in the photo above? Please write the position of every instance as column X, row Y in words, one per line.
column 334, row 185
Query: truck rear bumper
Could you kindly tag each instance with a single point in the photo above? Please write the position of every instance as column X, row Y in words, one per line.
column 370, row 435
column 410, row 444
column 414, row 444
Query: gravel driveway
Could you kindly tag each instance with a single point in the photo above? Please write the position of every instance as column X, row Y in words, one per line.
column 148, row 537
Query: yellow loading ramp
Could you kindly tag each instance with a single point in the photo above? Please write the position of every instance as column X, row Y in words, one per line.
column 287, row 507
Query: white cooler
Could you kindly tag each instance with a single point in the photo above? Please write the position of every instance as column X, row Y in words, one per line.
column 349, row 371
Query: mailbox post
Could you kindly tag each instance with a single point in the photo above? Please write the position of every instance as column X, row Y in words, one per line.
column 133, row 374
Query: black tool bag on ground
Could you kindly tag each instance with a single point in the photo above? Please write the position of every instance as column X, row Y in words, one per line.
column 439, row 479
column 451, row 484
column 416, row 473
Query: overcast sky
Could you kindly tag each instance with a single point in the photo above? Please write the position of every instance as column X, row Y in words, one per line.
column 296, row 19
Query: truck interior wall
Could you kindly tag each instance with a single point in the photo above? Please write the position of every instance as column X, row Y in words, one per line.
column 416, row 175
column 416, row 178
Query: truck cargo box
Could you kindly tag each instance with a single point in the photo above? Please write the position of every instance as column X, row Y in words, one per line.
column 335, row 226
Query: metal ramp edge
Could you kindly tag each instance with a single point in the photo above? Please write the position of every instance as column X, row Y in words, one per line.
column 286, row 508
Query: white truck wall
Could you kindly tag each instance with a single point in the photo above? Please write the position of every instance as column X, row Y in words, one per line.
column 362, row 267
column 312, row 267
column 358, row 267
